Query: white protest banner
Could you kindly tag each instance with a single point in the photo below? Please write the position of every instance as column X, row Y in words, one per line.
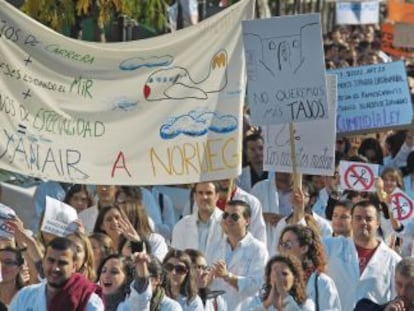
column 403, row 35
column 165, row 110
column 402, row 206
column 285, row 69
column 58, row 218
column 358, row 176
column 6, row 213
column 314, row 140
column 372, row 97
column 357, row 12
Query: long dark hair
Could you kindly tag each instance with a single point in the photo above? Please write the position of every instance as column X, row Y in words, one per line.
column 298, row 290
column 188, row 287
column 127, row 268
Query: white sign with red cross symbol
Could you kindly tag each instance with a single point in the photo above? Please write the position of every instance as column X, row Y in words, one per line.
column 402, row 206
column 358, row 176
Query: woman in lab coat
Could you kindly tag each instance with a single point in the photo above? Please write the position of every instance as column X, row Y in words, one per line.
column 284, row 288
column 303, row 243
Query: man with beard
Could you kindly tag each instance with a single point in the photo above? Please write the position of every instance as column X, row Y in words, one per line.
column 64, row 290
column 362, row 266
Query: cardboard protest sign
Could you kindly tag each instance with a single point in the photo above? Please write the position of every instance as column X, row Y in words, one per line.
column 373, row 97
column 285, row 69
column 6, row 213
column 146, row 112
column 358, row 176
column 314, row 147
column 400, row 11
column 357, row 13
column 402, row 206
column 403, row 35
column 387, row 42
column 58, row 218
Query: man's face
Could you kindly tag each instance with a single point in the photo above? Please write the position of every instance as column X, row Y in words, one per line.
column 405, row 289
column 254, row 151
column 58, row 266
column 206, row 197
column 365, row 223
column 341, row 220
column 106, row 192
column 234, row 223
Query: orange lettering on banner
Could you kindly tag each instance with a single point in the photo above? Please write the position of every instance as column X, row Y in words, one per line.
column 387, row 30
column 400, row 11
column 121, row 158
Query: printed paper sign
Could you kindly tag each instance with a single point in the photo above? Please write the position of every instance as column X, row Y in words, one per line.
column 400, row 11
column 372, row 97
column 6, row 213
column 357, row 13
column 58, row 218
column 387, row 42
column 358, row 176
column 402, row 206
column 145, row 112
column 314, row 142
column 285, row 69
column 403, row 35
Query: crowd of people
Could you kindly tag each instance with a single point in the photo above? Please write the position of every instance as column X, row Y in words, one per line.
column 256, row 242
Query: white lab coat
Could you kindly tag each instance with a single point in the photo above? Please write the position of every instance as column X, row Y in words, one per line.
column 247, row 264
column 328, row 297
column 257, row 225
column 185, row 232
column 33, row 298
column 267, row 194
column 142, row 301
column 244, row 181
column 289, row 304
column 376, row 282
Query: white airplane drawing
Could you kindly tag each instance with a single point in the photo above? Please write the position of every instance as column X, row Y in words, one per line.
column 176, row 82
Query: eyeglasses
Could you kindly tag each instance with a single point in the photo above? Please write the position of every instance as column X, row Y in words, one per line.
column 179, row 269
column 203, row 268
column 235, row 217
column 286, row 244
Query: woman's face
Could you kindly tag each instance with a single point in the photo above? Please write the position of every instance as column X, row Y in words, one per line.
column 281, row 270
column 176, row 270
column 110, row 223
column 390, row 182
column 80, row 250
column 112, row 276
column 289, row 245
column 97, row 254
column 9, row 266
column 202, row 272
column 79, row 201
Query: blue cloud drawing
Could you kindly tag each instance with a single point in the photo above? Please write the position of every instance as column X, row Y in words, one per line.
column 136, row 63
column 125, row 104
column 196, row 123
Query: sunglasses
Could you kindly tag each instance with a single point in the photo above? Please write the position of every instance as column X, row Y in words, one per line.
column 235, row 217
column 286, row 244
column 179, row 269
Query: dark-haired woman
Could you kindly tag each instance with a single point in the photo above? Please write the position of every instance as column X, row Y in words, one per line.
column 303, row 243
column 11, row 267
column 284, row 287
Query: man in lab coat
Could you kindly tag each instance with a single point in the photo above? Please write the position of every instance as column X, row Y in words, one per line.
column 239, row 259
column 201, row 229
column 64, row 289
column 362, row 266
